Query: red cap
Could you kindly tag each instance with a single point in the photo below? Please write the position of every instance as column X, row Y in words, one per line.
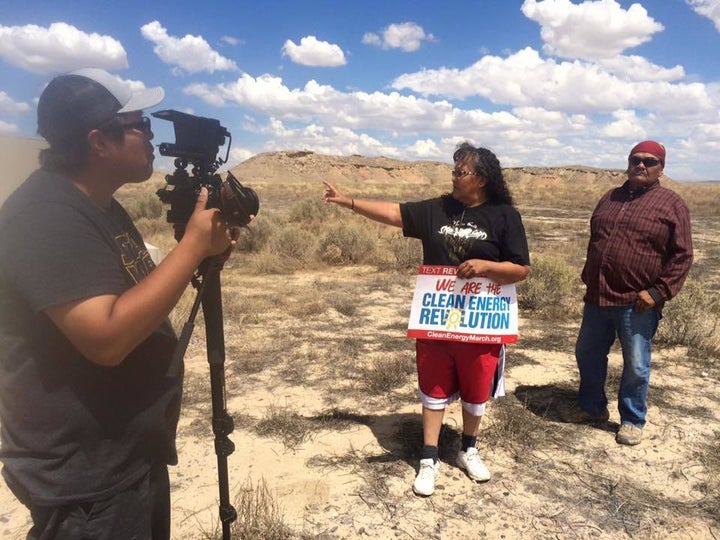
column 650, row 147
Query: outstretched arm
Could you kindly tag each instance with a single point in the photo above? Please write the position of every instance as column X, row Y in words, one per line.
column 381, row 211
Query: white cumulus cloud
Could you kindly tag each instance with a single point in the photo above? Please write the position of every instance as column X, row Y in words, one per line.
column 58, row 48
column 406, row 36
column 330, row 140
column 637, row 68
column 592, row 29
column 313, row 52
column 330, row 121
column 526, row 79
column 9, row 105
column 190, row 53
column 424, row 149
column 238, row 155
column 536, row 129
column 709, row 9
column 7, row 128
column 268, row 94
column 625, row 124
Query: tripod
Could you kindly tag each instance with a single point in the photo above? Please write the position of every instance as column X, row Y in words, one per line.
column 209, row 294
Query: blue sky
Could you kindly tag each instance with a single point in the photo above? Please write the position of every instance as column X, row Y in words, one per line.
column 549, row 82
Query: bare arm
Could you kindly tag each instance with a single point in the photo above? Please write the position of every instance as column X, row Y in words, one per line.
column 105, row 329
column 381, row 211
column 500, row 272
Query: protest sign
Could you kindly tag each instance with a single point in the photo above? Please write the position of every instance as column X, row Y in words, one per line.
column 475, row 310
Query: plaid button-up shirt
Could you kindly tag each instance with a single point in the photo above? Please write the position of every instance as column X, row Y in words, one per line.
column 639, row 240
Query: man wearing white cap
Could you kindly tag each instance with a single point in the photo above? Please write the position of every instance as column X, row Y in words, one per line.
column 88, row 402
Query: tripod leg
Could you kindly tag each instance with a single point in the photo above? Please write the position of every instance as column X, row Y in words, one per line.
column 221, row 421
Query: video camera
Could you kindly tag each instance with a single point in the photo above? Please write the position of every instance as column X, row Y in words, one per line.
column 197, row 142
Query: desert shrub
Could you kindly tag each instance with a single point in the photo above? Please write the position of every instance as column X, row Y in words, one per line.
column 513, row 427
column 344, row 303
column 312, row 210
column 284, row 424
column 293, row 242
column 256, row 236
column 406, row 253
column 240, row 309
column 305, row 302
column 267, row 262
column 388, row 372
column 705, row 262
column 550, row 283
column 347, row 243
column 709, row 454
column 692, row 319
column 157, row 232
column 145, row 205
column 258, row 514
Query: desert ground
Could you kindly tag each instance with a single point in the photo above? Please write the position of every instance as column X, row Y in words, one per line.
column 320, row 383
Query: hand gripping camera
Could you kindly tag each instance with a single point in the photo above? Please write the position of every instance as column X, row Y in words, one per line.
column 197, row 142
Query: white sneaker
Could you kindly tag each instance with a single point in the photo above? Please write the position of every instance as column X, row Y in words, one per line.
column 473, row 465
column 425, row 480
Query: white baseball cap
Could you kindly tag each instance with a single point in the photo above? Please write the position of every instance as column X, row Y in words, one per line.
column 75, row 103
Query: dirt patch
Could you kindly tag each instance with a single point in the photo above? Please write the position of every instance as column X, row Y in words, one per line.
column 320, row 383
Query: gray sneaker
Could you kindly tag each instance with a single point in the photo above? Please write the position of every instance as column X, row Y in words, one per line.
column 472, row 464
column 629, row 435
column 425, row 480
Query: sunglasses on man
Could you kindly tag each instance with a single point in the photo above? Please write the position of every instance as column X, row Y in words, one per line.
column 648, row 161
column 142, row 125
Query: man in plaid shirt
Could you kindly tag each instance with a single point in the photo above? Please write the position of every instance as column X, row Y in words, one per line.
column 638, row 257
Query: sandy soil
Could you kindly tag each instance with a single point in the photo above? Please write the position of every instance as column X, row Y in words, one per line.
column 353, row 480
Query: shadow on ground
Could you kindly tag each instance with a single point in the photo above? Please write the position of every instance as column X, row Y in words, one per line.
column 553, row 403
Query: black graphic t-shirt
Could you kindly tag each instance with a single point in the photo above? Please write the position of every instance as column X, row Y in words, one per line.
column 72, row 430
column 452, row 233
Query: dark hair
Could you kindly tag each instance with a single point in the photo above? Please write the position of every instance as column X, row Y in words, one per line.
column 70, row 155
column 486, row 164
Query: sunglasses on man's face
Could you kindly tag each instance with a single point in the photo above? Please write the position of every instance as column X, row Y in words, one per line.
column 648, row 161
column 142, row 125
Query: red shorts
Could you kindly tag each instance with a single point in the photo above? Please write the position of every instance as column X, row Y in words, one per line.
column 447, row 367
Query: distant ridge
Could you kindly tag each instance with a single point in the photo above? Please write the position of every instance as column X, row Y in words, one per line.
column 306, row 166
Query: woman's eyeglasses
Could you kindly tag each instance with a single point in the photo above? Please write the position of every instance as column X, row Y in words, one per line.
column 460, row 173
column 648, row 161
column 143, row 125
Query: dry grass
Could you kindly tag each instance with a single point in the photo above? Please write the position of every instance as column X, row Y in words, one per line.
column 259, row 517
column 321, row 334
column 385, row 372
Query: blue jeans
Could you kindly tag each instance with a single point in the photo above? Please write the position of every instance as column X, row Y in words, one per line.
column 635, row 330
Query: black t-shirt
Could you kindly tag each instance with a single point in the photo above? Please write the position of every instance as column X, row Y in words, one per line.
column 452, row 233
column 72, row 430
